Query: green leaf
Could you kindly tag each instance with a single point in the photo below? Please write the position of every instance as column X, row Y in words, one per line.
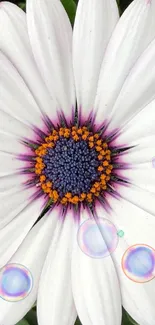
column 77, row 322
column 22, row 5
column 31, row 317
column 127, row 320
column 23, row 322
column 70, row 8
column 132, row 322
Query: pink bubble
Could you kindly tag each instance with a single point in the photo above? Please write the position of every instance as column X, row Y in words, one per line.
column 138, row 263
column 15, row 282
column 153, row 162
column 97, row 239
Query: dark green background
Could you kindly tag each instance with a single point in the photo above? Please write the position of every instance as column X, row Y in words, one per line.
column 30, row 318
column 123, row 3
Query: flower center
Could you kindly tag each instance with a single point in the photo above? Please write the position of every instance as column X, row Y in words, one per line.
column 73, row 165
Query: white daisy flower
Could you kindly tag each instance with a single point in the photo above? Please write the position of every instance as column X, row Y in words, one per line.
column 76, row 144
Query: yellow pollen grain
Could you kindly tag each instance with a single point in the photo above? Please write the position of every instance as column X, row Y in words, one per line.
column 61, row 133
column 64, row 200
column 105, row 163
column 75, row 199
column 84, row 128
column 96, row 136
column 84, row 136
column 89, row 197
column 99, row 142
column 66, row 135
column 98, row 148
column 97, row 194
column 97, row 184
column 108, row 157
column 39, row 160
column 68, row 195
column 104, row 145
column 55, row 138
column 48, row 190
column 100, row 168
column 108, row 171
column 51, row 145
column 93, row 190
column 83, row 195
column 55, row 195
column 79, row 131
column 44, row 145
column 76, row 137
column 61, row 130
column 37, row 165
column 67, row 130
column 74, row 128
column 42, row 178
column 54, row 132
column 38, row 171
column 100, row 157
column 43, row 186
column 48, row 184
column 103, row 176
column 91, row 144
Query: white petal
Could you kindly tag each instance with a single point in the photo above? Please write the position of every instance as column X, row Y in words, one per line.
column 141, row 175
column 9, row 164
column 8, row 182
column 11, row 131
column 134, row 31
column 14, row 233
column 94, row 23
column 18, row 111
column 11, row 144
column 31, row 254
column 51, row 37
column 55, row 293
column 138, row 90
column 142, row 125
column 140, row 197
column 16, row 100
column 11, row 125
column 142, row 152
column 97, row 298
column 138, row 227
column 14, row 43
column 13, row 201
column 140, row 133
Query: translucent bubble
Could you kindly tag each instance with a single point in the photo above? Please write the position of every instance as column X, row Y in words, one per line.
column 15, row 282
column 97, row 239
column 138, row 263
